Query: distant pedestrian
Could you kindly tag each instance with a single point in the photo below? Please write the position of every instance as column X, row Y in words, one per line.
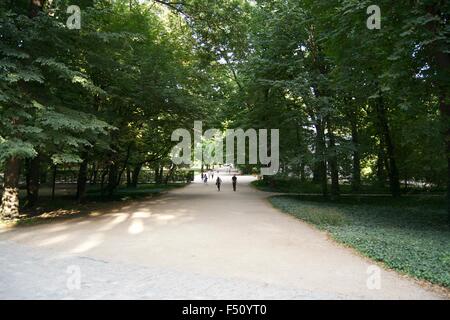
column 212, row 175
column 218, row 183
column 205, row 179
column 234, row 179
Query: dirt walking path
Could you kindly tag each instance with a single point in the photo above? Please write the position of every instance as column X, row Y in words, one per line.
column 192, row 243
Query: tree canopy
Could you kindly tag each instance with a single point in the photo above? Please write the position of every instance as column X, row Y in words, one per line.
column 353, row 104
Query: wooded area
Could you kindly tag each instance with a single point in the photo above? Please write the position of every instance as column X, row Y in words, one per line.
column 354, row 106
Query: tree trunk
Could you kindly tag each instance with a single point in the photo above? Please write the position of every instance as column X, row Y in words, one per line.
column 33, row 176
column 381, row 175
column 55, row 168
column 125, row 165
column 300, row 165
column 302, row 172
column 356, row 168
column 112, row 178
column 320, row 157
column 334, row 169
column 135, row 175
column 159, row 174
column 385, row 133
column 102, row 181
column 441, row 64
column 445, row 113
column 169, row 174
column 316, row 171
column 44, row 175
column 82, row 180
column 10, row 199
column 94, row 175
column 128, row 177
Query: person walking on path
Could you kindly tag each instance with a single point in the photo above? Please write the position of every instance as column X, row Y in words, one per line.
column 205, row 179
column 234, row 179
column 218, row 183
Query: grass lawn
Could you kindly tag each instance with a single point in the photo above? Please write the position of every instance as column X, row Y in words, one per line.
column 410, row 235
column 308, row 187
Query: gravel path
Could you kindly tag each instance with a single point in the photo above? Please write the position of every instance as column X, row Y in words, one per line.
column 39, row 274
column 192, row 243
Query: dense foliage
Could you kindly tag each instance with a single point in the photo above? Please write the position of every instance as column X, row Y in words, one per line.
column 353, row 105
column 105, row 97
